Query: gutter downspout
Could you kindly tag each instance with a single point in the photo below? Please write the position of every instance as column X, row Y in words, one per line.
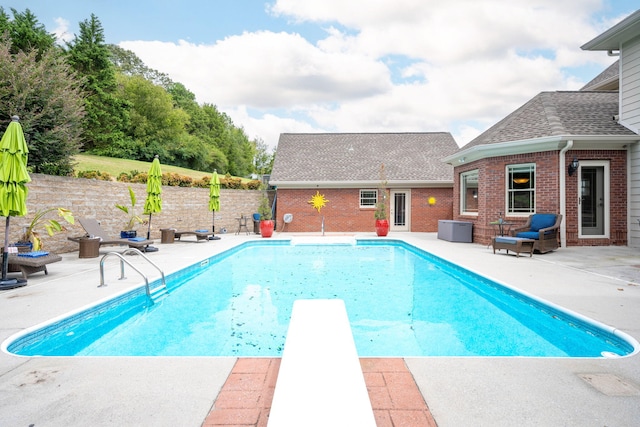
column 563, row 194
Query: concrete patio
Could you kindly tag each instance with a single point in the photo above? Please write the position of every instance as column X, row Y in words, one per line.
column 600, row 283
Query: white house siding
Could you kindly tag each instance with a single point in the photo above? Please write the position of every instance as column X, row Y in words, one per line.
column 634, row 196
column 630, row 85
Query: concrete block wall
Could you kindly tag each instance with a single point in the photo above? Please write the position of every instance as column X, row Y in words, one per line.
column 184, row 208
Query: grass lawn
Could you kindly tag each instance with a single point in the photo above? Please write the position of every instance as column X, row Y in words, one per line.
column 114, row 166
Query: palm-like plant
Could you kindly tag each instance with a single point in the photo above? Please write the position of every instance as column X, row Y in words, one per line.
column 51, row 226
column 132, row 217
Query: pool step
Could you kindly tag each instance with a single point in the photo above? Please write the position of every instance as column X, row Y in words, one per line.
column 320, row 382
column 158, row 293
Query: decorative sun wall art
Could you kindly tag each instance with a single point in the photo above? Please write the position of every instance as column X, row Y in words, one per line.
column 318, row 201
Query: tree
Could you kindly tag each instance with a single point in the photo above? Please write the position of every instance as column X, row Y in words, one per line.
column 262, row 159
column 26, row 33
column 128, row 63
column 45, row 94
column 107, row 114
column 155, row 124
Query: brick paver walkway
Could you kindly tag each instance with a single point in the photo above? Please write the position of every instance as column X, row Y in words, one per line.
column 245, row 398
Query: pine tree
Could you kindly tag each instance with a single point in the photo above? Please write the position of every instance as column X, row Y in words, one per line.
column 106, row 113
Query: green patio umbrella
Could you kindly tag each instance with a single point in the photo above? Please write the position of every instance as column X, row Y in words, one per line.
column 153, row 203
column 13, row 192
column 214, row 201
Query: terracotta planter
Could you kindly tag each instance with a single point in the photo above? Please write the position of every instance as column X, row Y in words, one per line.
column 266, row 227
column 382, row 227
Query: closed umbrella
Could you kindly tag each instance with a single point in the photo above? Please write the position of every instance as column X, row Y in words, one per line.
column 13, row 192
column 153, row 203
column 214, row 201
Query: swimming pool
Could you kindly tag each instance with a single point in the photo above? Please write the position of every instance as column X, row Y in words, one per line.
column 401, row 301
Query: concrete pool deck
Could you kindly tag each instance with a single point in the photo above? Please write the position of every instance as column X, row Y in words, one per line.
column 600, row 283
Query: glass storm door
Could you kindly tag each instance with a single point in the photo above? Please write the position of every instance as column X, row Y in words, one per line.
column 593, row 200
column 400, row 204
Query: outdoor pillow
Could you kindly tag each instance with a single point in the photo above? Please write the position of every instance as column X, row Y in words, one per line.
column 137, row 239
column 201, row 231
column 528, row 235
column 539, row 221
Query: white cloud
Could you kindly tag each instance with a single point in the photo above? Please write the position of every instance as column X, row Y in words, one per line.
column 61, row 31
column 407, row 65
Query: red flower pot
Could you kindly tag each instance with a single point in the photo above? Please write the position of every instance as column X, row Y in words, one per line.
column 382, row 227
column 266, row 227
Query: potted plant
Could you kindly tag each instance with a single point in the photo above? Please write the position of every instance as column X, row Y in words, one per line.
column 132, row 218
column 266, row 223
column 31, row 233
column 380, row 214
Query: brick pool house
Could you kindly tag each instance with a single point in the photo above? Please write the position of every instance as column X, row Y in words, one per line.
column 345, row 169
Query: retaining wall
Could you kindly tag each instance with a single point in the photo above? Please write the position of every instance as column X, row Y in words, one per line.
column 184, row 208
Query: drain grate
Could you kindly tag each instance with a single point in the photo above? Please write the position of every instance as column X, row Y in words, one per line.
column 610, row 384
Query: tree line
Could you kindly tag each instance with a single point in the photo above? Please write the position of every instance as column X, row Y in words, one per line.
column 93, row 97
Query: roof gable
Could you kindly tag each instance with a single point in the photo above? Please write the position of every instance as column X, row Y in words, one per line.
column 355, row 158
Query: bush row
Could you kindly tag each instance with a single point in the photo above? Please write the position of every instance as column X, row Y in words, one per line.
column 174, row 180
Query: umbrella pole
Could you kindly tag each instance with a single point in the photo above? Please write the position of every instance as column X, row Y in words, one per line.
column 213, row 227
column 150, row 248
column 5, row 252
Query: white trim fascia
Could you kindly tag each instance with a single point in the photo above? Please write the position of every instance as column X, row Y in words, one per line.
column 552, row 143
column 360, row 184
column 612, row 38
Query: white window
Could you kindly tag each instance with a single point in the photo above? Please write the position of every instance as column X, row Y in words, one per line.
column 469, row 192
column 368, row 198
column 521, row 189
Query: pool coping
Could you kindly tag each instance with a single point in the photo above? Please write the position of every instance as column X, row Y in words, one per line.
column 458, row 391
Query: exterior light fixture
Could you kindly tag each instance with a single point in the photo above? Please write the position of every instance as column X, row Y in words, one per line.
column 573, row 166
column 432, row 201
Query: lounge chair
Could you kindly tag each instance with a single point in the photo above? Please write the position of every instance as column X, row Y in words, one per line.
column 200, row 234
column 34, row 263
column 544, row 229
column 93, row 228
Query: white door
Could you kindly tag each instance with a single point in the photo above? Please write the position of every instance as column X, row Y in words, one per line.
column 593, row 212
column 400, row 210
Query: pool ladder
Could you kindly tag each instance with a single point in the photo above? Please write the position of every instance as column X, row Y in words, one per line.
column 154, row 294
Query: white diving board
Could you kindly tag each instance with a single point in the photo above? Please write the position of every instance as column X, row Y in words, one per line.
column 320, row 382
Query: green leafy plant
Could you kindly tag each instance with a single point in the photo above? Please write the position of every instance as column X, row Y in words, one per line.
column 32, row 232
column 132, row 218
column 264, row 209
column 381, row 203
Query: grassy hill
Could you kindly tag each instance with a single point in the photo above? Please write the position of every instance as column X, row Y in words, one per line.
column 114, row 166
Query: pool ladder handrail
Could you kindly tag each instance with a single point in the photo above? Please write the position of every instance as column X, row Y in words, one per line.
column 122, row 276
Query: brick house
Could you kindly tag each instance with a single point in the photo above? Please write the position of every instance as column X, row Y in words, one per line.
column 345, row 169
column 571, row 153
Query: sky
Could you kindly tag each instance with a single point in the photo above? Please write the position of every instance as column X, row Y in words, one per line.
column 278, row 66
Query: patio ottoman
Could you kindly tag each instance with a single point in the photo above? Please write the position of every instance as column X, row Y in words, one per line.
column 516, row 244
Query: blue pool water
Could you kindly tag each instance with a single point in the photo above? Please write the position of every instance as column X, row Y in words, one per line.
column 401, row 301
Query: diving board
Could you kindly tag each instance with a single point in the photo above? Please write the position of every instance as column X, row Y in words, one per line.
column 320, row 382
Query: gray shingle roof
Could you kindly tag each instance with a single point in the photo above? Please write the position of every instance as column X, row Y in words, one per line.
column 557, row 114
column 608, row 77
column 356, row 157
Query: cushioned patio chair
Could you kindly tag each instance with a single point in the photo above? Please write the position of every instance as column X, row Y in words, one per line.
column 93, row 228
column 544, row 228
